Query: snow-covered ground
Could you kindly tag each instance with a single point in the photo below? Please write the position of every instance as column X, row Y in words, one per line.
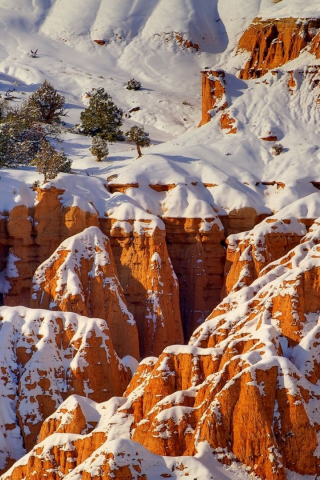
column 141, row 42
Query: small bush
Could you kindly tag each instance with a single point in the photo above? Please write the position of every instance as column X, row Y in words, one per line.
column 133, row 84
column 99, row 148
column 277, row 149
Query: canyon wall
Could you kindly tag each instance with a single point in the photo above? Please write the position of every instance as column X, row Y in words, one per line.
column 247, row 384
column 163, row 269
column 272, row 43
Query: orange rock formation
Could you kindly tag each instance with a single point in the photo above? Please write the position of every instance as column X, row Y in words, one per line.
column 248, row 384
column 250, row 252
column 149, row 282
column 81, row 277
column 47, row 356
column 213, row 93
column 273, row 43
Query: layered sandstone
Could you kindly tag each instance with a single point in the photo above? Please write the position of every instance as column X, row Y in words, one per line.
column 31, row 235
column 248, row 384
column 146, row 274
column 80, row 277
column 45, row 357
column 198, row 259
column 250, row 252
column 272, row 43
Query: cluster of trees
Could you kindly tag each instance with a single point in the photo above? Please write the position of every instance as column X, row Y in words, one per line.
column 102, row 120
column 29, row 130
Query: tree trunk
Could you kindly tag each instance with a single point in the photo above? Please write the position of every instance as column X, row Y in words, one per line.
column 139, row 151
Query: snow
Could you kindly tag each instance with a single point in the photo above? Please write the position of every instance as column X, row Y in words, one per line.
column 212, row 173
column 36, row 333
column 203, row 465
column 130, row 362
column 140, row 42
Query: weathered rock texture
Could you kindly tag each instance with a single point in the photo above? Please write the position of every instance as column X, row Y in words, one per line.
column 149, row 282
column 213, row 93
column 248, row 383
column 32, row 234
column 273, row 43
column 45, row 357
column 214, row 99
column 198, row 260
column 250, row 252
column 81, row 277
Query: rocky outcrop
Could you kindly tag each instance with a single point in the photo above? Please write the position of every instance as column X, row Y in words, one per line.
column 77, row 415
column 250, row 252
column 45, row 357
column 198, row 260
column 33, row 234
column 248, row 383
column 214, row 99
column 213, row 93
column 145, row 271
column 81, row 277
column 272, row 43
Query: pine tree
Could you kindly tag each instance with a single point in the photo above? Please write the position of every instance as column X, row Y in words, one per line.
column 46, row 104
column 50, row 162
column 102, row 117
column 138, row 136
column 99, row 148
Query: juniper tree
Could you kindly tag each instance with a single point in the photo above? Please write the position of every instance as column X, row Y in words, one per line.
column 133, row 84
column 46, row 104
column 20, row 138
column 102, row 117
column 22, row 133
column 50, row 162
column 138, row 136
column 99, row 148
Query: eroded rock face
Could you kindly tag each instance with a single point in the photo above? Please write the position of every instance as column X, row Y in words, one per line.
column 248, row 383
column 198, row 260
column 81, row 277
column 33, row 234
column 45, row 357
column 149, row 282
column 213, row 93
column 250, row 252
column 272, row 43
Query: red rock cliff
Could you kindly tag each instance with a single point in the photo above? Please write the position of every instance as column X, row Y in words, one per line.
column 272, row 43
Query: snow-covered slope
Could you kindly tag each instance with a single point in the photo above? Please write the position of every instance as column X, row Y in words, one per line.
column 141, row 41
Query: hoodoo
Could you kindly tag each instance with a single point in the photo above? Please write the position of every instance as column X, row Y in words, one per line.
column 159, row 310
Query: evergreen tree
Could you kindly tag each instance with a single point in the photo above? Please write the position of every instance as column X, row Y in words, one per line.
column 46, row 104
column 19, row 140
column 133, row 84
column 102, row 117
column 138, row 136
column 99, row 148
column 22, row 133
column 50, row 162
